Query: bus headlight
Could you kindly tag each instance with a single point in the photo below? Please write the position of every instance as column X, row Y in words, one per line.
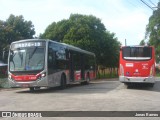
column 41, row 76
column 9, row 76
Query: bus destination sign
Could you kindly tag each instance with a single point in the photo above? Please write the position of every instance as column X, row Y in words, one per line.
column 27, row 44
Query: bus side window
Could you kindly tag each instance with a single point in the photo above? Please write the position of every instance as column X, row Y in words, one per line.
column 77, row 62
column 89, row 63
column 51, row 59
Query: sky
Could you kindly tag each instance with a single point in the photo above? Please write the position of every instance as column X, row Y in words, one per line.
column 126, row 18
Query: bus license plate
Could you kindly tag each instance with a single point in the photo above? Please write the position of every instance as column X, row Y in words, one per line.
column 25, row 85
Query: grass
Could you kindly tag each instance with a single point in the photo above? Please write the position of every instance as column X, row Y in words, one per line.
column 102, row 76
column 157, row 74
column 114, row 75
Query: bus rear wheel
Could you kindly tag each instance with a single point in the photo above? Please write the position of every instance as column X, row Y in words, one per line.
column 63, row 82
column 87, row 81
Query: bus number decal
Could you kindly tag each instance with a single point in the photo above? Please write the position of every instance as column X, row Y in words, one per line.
column 129, row 64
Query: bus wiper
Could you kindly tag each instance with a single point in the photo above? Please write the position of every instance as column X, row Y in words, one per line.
column 31, row 55
column 21, row 56
column 34, row 50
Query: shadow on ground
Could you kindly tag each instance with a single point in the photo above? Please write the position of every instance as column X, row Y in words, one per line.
column 93, row 87
column 155, row 88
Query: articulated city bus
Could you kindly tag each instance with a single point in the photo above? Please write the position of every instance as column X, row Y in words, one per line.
column 137, row 65
column 36, row 63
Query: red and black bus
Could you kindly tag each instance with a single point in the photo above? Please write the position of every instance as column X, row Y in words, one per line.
column 137, row 65
column 36, row 63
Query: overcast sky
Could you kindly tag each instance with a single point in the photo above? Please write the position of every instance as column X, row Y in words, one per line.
column 126, row 18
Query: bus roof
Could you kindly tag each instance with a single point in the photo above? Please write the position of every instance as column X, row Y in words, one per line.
column 70, row 47
column 136, row 46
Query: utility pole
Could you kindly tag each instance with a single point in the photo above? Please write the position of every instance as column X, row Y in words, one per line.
column 125, row 42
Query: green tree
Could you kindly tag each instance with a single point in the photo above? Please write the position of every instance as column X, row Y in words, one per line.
column 89, row 33
column 13, row 29
column 142, row 42
column 153, row 30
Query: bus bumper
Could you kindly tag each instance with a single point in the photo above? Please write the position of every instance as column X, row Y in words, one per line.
column 125, row 79
column 37, row 83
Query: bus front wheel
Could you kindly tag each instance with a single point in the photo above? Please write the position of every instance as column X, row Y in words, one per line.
column 31, row 89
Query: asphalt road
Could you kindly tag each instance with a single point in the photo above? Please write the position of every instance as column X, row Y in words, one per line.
column 99, row 95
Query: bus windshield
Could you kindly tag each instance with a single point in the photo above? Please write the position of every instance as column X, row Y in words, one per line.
column 137, row 53
column 27, row 59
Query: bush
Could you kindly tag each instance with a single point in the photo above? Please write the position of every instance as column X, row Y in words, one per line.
column 157, row 71
column 4, row 83
column 102, row 76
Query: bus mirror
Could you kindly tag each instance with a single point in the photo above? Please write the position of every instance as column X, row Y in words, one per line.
column 5, row 56
column 11, row 57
